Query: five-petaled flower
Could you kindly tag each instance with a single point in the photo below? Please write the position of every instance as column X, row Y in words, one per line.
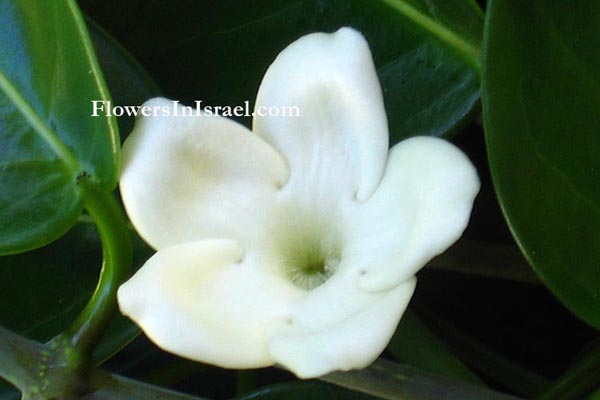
column 297, row 243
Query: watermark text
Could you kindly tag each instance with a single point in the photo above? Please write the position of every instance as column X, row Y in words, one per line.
column 102, row 108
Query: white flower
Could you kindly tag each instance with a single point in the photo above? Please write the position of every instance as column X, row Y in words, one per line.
column 296, row 243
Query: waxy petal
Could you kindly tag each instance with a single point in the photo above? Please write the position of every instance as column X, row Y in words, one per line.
column 337, row 146
column 421, row 207
column 207, row 301
column 196, row 177
column 354, row 342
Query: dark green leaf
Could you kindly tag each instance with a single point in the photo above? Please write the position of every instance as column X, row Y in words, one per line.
column 494, row 367
column 580, row 380
column 42, row 291
column 48, row 78
column 217, row 52
column 105, row 386
column 415, row 345
column 391, row 381
column 542, row 119
column 456, row 22
column 7, row 392
column 128, row 82
column 594, row 396
column 485, row 259
column 304, row 390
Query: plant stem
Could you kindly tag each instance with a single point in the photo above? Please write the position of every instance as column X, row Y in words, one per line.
column 87, row 329
column 580, row 380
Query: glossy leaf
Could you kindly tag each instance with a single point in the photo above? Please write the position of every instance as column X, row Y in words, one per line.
column 43, row 290
column 594, row 396
column 541, row 108
column 388, row 380
column 217, row 52
column 128, row 82
column 106, row 386
column 304, row 390
column 48, row 77
column 581, row 379
column 7, row 392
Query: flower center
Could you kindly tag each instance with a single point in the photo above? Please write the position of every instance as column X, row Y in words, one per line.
column 310, row 270
column 310, row 260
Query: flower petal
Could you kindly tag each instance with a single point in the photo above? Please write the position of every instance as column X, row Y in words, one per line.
column 187, row 178
column 354, row 342
column 421, row 207
column 339, row 142
column 198, row 300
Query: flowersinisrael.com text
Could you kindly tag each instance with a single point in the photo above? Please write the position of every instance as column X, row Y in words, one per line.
column 106, row 108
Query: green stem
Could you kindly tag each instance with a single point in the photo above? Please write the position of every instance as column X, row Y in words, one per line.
column 580, row 380
column 85, row 332
column 470, row 52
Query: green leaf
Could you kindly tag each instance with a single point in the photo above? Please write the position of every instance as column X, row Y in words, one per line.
column 304, row 390
column 48, row 77
column 456, row 23
column 218, row 52
column 388, row 380
column 594, row 396
column 44, row 290
column 415, row 345
column 7, row 392
column 541, row 108
column 580, row 380
column 494, row 367
column 128, row 82
column 114, row 387
column 485, row 259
